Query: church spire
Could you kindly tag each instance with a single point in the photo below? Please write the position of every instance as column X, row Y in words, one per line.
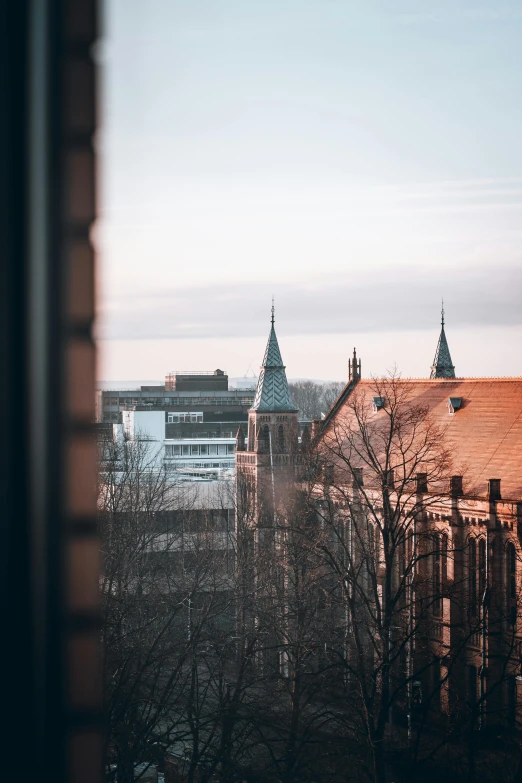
column 442, row 366
column 354, row 367
column 272, row 387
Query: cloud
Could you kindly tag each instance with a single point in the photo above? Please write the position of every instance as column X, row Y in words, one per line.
column 387, row 299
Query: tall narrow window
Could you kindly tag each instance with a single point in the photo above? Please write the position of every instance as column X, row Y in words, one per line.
column 402, row 559
column 281, row 438
column 482, row 576
column 511, row 587
column 472, row 575
column 264, row 438
column 437, row 575
column 512, row 701
column 436, row 682
column 372, row 549
column 472, row 685
column 444, row 554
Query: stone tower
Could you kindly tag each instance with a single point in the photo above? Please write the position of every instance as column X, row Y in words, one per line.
column 265, row 459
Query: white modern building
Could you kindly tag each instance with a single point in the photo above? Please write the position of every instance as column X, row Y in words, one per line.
column 195, row 458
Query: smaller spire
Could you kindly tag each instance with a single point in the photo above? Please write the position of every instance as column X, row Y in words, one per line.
column 354, row 367
column 273, row 310
column 442, row 366
column 272, row 386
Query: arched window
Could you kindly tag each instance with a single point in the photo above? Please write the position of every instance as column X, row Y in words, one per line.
column 281, row 438
column 482, row 575
column 472, row 575
column 265, row 435
column 511, row 586
column 371, row 548
column 437, row 575
column 444, row 547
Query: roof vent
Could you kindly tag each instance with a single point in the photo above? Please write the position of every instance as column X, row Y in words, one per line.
column 454, row 404
column 378, row 403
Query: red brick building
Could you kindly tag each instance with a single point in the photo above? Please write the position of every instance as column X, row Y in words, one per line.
column 463, row 509
column 433, row 466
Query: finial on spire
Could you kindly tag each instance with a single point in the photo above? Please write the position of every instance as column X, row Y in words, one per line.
column 442, row 314
column 273, row 310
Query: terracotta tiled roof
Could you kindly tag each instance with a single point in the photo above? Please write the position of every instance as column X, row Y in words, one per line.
column 485, row 433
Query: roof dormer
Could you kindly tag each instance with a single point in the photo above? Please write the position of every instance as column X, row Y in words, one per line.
column 454, row 404
column 378, row 403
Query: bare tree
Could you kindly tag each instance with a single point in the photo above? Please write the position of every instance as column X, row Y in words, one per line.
column 314, row 399
column 163, row 590
column 375, row 478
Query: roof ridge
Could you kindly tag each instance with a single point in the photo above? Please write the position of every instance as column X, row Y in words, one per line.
column 450, row 380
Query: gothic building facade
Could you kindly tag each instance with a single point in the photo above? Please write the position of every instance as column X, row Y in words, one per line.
column 460, row 500
column 455, row 490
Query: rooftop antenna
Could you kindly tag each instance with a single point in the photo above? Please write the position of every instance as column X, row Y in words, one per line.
column 442, row 314
column 273, row 309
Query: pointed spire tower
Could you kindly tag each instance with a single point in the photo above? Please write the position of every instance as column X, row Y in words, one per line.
column 442, row 366
column 265, row 468
column 272, row 392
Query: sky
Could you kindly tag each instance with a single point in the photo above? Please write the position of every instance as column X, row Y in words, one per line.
column 359, row 161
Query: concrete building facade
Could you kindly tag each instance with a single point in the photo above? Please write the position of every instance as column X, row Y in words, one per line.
column 191, row 421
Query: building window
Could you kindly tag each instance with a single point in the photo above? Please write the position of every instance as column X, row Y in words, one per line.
column 472, row 575
column 437, row 576
column 222, row 450
column 512, row 700
column 444, row 547
column 482, row 576
column 212, row 451
column 511, row 587
column 194, row 451
column 231, row 448
column 184, row 418
column 472, row 685
column 281, row 438
column 186, row 451
column 204, row 450
column 372, row 550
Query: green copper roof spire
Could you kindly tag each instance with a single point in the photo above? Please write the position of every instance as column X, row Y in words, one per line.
column 442, row 366
column 272, row 387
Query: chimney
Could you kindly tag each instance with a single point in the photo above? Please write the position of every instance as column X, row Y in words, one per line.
column 456, row 490
column 358, row 480
column 422, row 483
column 389, row 479
column 354, row 368
column 494, row 489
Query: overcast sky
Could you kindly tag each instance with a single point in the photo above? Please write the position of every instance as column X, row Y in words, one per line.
column 359, row 160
